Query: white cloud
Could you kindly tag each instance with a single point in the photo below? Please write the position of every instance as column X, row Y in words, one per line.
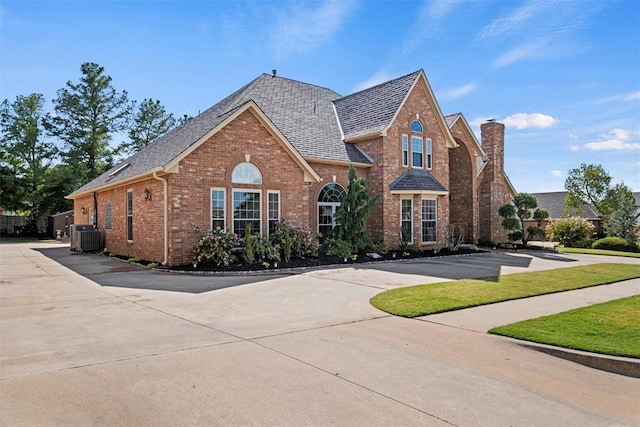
column 616, row 140
column 506, row 24
column 575, row 148
column 302, row 29
column 611, row 144
column 557, row 173
column 377, row 78
column 529, row 120
column 622, row 97
column 459, row 92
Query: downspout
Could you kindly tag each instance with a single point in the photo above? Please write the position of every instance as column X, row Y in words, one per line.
column 166, row 217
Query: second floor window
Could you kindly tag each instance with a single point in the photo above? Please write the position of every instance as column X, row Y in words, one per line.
column 417, row 152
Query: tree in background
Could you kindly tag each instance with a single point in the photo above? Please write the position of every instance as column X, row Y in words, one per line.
column 25, row 154
column 588, row 184
column 515, row 214
column 151, row 120
column 86, row 116
column 624, row 215
column 353, row 212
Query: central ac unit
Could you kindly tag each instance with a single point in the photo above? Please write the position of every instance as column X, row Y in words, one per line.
column 76, row 229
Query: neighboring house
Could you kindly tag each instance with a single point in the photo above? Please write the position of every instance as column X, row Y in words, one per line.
column 278, row 149
column 554, row 203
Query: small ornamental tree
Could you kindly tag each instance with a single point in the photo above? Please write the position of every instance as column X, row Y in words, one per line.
column 353, row 212
column 515, row 214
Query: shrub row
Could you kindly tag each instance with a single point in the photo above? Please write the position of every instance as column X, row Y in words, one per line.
column 288, row 242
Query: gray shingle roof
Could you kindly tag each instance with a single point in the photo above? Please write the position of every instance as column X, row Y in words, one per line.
column 451, row 118
column 371, row 110
column 414, row 180
column 554, row 204
column 304, row 113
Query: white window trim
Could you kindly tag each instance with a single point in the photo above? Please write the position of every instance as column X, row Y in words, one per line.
column 224, row 207
column 126, row 209
column 422, row 220
column 428, row 153
column 405, row 138
column 410, row 241
column 423, row 156
column 246, row 190
column 269, row 192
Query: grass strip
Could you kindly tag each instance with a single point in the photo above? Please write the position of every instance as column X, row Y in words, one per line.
column 609, row 328
column 564, row 250
column 421, row 300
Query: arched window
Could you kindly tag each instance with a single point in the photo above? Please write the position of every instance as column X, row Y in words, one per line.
column 246, row 173
column 416, row 127
column 328, row 201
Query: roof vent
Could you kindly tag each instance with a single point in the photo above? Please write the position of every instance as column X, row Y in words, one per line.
column 273, row 72
column 491, row 120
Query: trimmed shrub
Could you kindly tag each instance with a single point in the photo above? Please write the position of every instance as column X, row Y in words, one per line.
column 569, row 231
column 337, row 247
column 215, row 247
column 295, row 241
column 615, row 244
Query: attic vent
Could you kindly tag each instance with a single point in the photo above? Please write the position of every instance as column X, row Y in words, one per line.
column 120, row 169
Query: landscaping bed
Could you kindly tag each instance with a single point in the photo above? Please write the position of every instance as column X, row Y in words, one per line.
column 325, row 261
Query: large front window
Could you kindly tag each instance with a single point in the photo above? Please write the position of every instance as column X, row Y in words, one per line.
column 328, row 203
column 429, row 220
column 246, row 210
column 406, row 220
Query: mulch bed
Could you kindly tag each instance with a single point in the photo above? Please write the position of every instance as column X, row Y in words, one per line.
column 322, row 261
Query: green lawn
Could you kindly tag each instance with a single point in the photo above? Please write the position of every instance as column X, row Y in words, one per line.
column 421, row 300
column 564, row 250
column 609, row 328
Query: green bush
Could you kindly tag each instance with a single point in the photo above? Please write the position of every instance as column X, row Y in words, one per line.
column 569, row 231
column 215, row 247
column 295, row 241
column 615, row 244
column 266, row 251
column 337, row 247
column 152, row 265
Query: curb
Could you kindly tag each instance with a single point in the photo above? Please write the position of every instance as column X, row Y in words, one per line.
column 626, row 366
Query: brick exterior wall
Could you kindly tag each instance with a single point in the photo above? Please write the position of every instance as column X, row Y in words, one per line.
column 463, row 183
column 494, row 190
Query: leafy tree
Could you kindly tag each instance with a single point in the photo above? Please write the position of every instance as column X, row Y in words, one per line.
column 588, row 184
column 25, row 154
column 515, row 214
column 540, row 215
column 59, row 181
column 353, row 212
column 150, row 121
column 624, row 215
column 87, row 114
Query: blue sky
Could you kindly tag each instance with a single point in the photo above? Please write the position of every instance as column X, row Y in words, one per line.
column 564, row 76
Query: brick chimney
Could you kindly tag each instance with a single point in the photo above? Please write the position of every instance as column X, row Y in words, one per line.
column 492, row 134
column 494, row 191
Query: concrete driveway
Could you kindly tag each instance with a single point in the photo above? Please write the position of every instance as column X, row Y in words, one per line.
column 90, row 340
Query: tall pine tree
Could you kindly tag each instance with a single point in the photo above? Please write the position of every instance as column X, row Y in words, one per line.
column 353, row 212
column 151, row 120
column 87, row 114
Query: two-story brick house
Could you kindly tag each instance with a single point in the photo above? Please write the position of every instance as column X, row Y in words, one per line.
column 278, row 149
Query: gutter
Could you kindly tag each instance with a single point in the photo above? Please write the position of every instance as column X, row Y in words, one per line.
column 166, row 216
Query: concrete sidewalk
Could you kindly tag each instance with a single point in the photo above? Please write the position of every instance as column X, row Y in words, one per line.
column 483, row 318
column 113, row 347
